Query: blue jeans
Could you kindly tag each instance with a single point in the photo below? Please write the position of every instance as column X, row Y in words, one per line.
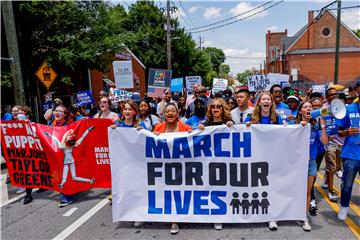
column 351, row 167
column 67, row 198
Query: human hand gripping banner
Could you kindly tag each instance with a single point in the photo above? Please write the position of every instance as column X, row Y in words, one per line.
column 67, row 159
column 218, row 175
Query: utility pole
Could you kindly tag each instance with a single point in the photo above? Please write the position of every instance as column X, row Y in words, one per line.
column 11, row 39
column 168, row 35
column 337, row 46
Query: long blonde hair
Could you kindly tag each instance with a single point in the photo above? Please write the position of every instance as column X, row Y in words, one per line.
column 226, row 115
column 256, row 116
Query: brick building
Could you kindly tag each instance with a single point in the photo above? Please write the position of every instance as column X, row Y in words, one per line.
column 309, row 55
column 99, row 79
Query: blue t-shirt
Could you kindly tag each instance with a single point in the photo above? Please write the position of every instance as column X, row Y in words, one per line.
column 122, row 124
column 282, row 105
column 266, row 120
column 351, row 147
column 314, row 142
column 194, row 121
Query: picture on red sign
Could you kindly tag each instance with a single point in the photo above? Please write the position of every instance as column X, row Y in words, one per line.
column 67, row 144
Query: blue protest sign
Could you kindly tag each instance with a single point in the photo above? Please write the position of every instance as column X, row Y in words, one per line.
column 84, row 98
column 176, row 84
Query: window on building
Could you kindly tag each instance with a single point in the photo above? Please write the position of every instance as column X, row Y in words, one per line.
column 326, row 32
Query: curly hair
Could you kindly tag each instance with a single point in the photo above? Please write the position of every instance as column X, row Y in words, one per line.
column 256, row 116
column 225, row 115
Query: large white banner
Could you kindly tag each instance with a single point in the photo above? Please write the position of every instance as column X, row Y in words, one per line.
column 123, row 74
column 224, row 175
column 264, row 82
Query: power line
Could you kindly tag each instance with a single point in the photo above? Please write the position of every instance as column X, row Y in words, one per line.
column 182, row 6
column 355, row 6
column 227, row 19
column 236, row 57
column 251, row 15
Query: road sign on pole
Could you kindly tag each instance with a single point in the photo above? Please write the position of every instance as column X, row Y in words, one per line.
column 46, row 74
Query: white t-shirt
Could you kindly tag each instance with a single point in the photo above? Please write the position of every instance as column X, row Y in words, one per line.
column 147, row 121
column 235, row 115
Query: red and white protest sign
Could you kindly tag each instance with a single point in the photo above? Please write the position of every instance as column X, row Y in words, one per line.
column 67, row 159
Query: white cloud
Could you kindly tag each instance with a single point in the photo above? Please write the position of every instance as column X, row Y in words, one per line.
column 241, row 64
column 351, row 18
column 208, row 43
column 272, row 28
column 235, row 52
column 194, row 9
column 212, row 12
column 245, row 7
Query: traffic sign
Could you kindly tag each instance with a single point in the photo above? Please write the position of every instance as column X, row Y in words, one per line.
column 46, row 74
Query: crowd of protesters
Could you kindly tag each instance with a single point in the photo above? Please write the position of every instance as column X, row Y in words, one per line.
column 336, row 141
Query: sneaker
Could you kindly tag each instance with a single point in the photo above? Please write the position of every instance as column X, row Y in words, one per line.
column 324, row 185
column 306, row 225
column 339, row 174
column 20, row 190
column 312, row 211
column 28, row 199
column 332, row 196
column 273, row 226
column 138, row 224
column 343, row 213
column 92, row 180
column 40, row 190
column 313, row 204
column 218, row 226
column 64, row 203
column 174, row 228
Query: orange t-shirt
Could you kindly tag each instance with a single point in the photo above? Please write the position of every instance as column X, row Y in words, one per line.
column 182, row 127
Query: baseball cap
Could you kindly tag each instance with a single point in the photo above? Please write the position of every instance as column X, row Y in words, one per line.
column 293, row 97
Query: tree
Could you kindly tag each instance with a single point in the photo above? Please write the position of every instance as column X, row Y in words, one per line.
column 72, row 36
column 224, row 70
column 242, row 77
column 356, row 32
column 217, row 57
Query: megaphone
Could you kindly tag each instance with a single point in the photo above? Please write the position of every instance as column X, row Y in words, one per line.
column 337, row 109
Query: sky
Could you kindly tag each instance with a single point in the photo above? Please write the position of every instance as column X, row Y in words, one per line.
column 243, row 42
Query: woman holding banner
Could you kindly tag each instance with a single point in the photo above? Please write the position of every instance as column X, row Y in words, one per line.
column 317, row 135
column 218, row 113
column 149, row 119
column 265, row 113
column 105, row 112
column 171, row 124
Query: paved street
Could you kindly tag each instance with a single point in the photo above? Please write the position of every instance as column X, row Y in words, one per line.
column 90, row 217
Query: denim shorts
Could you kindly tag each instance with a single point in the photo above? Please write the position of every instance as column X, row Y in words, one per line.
column 312, row 169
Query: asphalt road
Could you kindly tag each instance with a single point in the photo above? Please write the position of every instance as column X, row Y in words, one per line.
column 90, row 217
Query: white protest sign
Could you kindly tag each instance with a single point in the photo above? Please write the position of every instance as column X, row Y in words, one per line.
column 123, row 74
column 219, row 84
column 264, row 82
column 218, row 175
column 319, row 88
column 120, row 95
column 190, row 81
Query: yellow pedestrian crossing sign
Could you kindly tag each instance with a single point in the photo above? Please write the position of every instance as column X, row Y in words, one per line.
column 46, row 74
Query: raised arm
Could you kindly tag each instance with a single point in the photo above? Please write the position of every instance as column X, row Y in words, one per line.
column 78, row 142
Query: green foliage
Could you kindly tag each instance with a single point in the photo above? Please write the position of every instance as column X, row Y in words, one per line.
column 224, row 70
column 356, row 32
column 242, row 77
column 217, row 57
column 208, row 80
column 6, row 79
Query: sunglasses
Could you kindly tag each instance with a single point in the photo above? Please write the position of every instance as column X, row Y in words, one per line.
column 332, row 95
column 213, row 106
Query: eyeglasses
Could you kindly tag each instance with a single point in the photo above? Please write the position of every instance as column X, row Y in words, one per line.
column 277, row 91
column 231, row 103
column 213, row 106
column 170, row 111
column 59, row 111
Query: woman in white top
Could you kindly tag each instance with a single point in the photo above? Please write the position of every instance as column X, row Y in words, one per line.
column 105, row 112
